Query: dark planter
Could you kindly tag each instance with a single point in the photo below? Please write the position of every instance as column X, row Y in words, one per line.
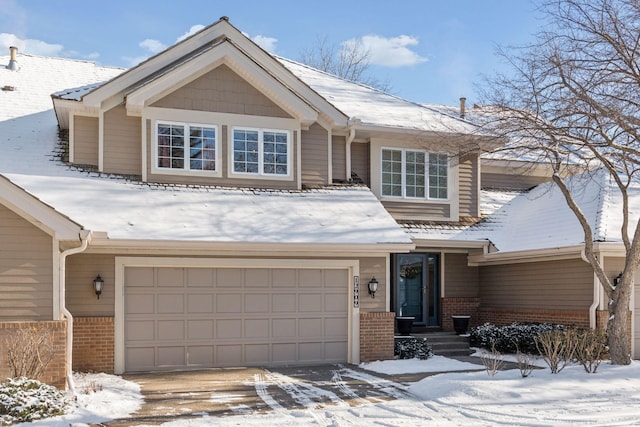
column 461, row 324
column 404, row 325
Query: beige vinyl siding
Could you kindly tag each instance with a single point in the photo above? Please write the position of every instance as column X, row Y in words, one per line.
column 122, row 137
column 413, row 210
column 26, row 269
column 468, row 186
column 315, row 156
column 85, row 140
column 360, row 160
column 552, row 285
column 81, row 270
column 222, row 180
column 339, row 163
column 221, row 90
column 370, row 267
column 511, row 182
column 461, row 281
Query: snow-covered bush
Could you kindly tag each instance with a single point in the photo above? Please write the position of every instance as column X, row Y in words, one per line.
column 412, row 347
column 22, row 399
column 510, row 338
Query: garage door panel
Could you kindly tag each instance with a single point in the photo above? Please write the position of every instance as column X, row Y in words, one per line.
column 170, row 303
column 636, row 319
column 284, row 303
column 200, row 356
column 284, row 328
column 139, row 304
column 229, row 303
column 171, row 356
column 200, row 329
column 170, row 330
column 284, row 278
column 200, row 277
column 256, row 303
column 199, row 303
column 309, row 303
column 229, row 277
column 140, row 330
column 178, row 318
column 228, row 328
column 139, row 277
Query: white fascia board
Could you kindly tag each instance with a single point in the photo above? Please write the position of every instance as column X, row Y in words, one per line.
column 227, row 54
column 263, row 248
column 65, row 107
column 36, row 212
column 451, row 244
column 536, row 255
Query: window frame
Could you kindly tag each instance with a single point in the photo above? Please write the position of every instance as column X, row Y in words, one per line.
column 186, row 170
column 261, row 174
column 426, row 175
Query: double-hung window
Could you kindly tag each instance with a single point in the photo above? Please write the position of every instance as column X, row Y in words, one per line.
column 414, row 174
column 261, row 152
column 186, row 147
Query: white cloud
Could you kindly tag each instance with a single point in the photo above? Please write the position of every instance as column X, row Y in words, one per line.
column 390, row 52
column 31, row 46
column 194, row 29
column 267, row 43
column 153, row 46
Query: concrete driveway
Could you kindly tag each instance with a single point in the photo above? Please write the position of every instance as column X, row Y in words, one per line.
column 172, row 396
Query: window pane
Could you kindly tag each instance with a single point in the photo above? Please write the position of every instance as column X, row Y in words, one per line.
column 245, row 151
column 275, row 153
column 438, row 176
column 414, row 174
column 392, row 173
column 170, row 146
column 203, row 146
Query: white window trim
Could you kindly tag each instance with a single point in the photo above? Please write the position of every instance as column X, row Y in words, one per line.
column 404, row 177
column 155, row 169
column 260, row 174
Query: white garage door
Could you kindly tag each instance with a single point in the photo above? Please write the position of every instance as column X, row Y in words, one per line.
column 636, row 321
column 180, row 318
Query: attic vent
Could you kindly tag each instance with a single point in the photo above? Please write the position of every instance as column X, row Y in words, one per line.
column 8, row 88
column 13, row 62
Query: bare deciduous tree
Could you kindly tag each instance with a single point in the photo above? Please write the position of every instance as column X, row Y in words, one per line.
column 350, row 61
column 573, row 99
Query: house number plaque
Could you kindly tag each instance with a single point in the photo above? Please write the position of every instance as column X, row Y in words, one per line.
column 356, row 291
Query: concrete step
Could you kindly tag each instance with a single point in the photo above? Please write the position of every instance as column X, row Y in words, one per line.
column 448, row 343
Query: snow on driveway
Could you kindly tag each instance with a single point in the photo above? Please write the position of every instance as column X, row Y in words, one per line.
column 611, row 397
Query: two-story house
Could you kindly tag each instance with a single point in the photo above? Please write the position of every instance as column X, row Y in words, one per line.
column 216, row 205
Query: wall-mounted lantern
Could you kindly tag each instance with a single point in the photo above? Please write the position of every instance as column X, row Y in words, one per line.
column 373, row 287
column 98, row 285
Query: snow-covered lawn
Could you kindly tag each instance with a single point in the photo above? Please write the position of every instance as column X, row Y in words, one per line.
column 610, row 397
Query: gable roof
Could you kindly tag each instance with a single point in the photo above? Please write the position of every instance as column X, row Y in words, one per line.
column 132, row 211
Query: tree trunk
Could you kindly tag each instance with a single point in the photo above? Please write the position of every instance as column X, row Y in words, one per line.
column 618, row 329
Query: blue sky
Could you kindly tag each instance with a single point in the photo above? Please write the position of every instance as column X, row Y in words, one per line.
column 429, row 51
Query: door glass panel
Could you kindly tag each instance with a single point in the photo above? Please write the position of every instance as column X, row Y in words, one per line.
column 410, row 301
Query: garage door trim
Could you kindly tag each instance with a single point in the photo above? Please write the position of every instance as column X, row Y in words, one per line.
column 353, row 343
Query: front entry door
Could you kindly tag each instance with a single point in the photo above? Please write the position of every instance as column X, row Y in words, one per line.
column 416, row 277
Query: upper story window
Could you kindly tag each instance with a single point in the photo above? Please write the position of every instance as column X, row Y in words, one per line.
column 261, row 151
column 414, row 174
column 186, row 147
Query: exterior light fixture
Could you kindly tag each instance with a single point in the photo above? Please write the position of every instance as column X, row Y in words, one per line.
column 98, row 285
column 617, row 279
column 373, row 287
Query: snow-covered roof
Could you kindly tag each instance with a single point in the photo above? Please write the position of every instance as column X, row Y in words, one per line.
column 127, row 209
column 375, row 107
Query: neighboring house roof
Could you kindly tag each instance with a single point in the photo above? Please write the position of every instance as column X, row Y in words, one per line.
column 374, row 107
column 541, row 219
column 133, row 210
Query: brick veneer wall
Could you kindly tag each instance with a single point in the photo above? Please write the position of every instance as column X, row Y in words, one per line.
column 459, row 306
column 93, row 344
column 55, row 374
column 502, row 316
column 376, row 336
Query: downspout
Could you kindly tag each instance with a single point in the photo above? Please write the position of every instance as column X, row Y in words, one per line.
column 596, row 296
column 352, row 135
column 85, row 237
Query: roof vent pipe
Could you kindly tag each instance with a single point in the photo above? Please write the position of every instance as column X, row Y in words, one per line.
column 13, row 62
column 463, row 101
